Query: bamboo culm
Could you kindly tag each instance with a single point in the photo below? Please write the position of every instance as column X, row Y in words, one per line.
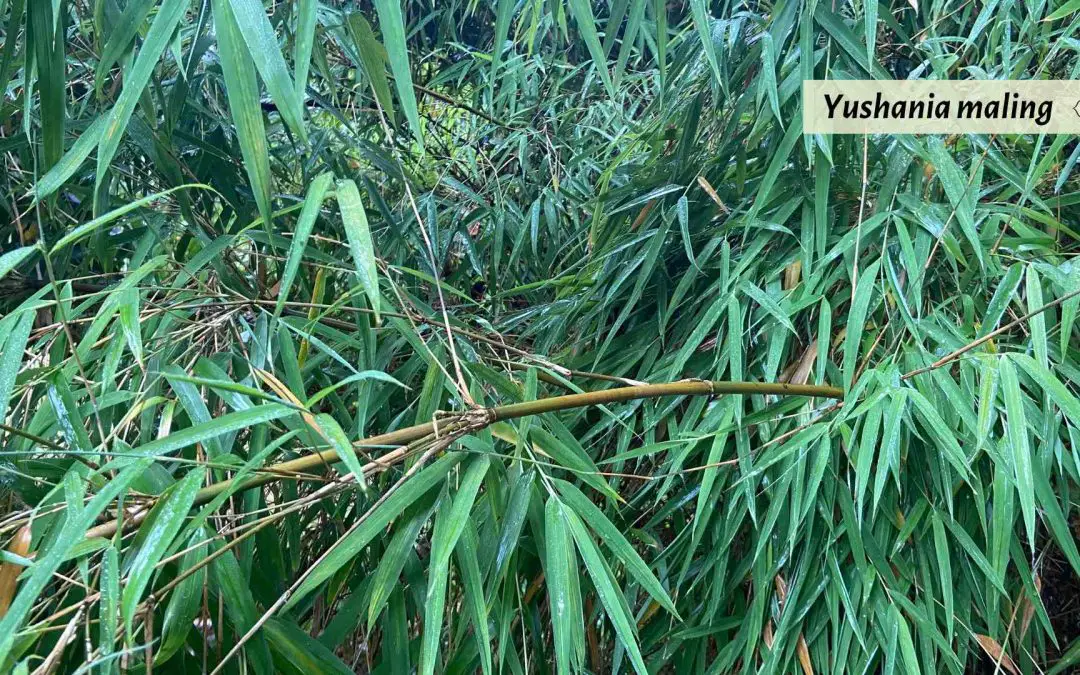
column 482, row 418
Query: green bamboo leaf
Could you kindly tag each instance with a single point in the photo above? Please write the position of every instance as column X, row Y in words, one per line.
column 466, row 555
column 941, row 548
column 387, row 574
column 1054, row 517
column 560, row 564
column 513, row 522
column 610, row 595
column 703, row 22
column 945, row 437
column 242, row 92
column 503, row 13
column 13, row 338
column 907, row 644
column 304, row 224
column 1068, row 9
column 767, row 303
column 224, row 424
column 154, row 538
column 45, row 52
column 396, row 632
column 393, row 30
column 1059, row 393
column 361, row 534
column 373, row 60
column 1003, row 296
column 7, row 55
column 568, row 453
column 296, row 653
column 870, row 28
column 262, row 47
column 48, row 560
column 449, row 524
column 121, row 35
column 610, row 535
column 128, row 311
column 68, row 419
column 1037, row 323
column 1016, row 424
column 194, row 405
column 363, row 251
column 71, row 161
column 157, row 38
column 333, row 432
column 586, row 23
column 778, row 161
column 230, row 583
column 961, row 195
column 185, row 601
column 303, row 43
column 14, row 258
column 362, row 376
column 835, row 26
column 103, row 220
column 864, row 292
column 109, row 607
column 768, row 75
column 868, row 446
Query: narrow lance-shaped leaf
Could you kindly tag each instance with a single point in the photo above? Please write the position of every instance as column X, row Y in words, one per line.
column 393, row 29
column 586, row 23
column 242, row 92
column 14, row 258
column 1016, row 426
column 373, row 60
column 864, row 291
column 12, row 343
column 609, row 594
column 262, row 46
column 361, row 534
column 304, row 224
column 156, row 535
column 333, row 432
column 157, row 38
column 559, row 564
column 602, row 526
column 360, row 244
column 303, row 42
column 185, row 600
column 449, row 525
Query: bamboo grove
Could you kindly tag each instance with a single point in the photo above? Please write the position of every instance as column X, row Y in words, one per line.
column 530, row 336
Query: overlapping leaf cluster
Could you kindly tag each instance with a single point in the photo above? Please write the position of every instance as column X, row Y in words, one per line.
column 237, row 234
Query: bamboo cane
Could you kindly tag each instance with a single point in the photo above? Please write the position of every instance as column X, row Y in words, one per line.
column 477, row 419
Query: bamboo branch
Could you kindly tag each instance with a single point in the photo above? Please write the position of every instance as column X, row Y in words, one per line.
column 478, row 419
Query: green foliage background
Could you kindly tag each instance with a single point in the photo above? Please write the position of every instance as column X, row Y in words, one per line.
column 238, row 233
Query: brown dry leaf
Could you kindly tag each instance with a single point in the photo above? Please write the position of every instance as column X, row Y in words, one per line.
column 712, row 193
column 767, row 634
column 806, row 364
column 642, row 215
column 804, row 656
column 1029, row 608
column 781, row 589
column 792, row 274
column 801, row 649
column 284, row 392
column 995, row 651
column 9, row 572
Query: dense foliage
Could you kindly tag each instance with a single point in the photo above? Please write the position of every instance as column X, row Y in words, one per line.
column 238, row 234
